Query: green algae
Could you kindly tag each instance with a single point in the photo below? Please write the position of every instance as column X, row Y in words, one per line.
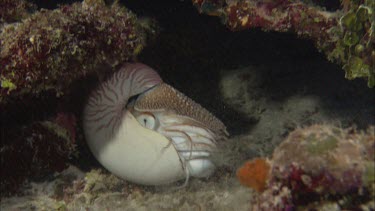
column 317, row 145
column 7, row 84
column 368, row 177
column 355, row 46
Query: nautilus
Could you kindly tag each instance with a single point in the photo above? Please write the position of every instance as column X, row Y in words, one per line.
column 146, row 132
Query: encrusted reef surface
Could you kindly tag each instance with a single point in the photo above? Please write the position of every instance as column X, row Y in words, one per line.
column 14, row 10
column 316, row 167
column 274, row 92
column 346, row 36
column 36, row 150
column 43, row 53
column 52, row 48
column 98, row 190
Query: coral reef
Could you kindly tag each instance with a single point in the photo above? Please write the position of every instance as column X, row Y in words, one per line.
column 14, row 10
column 36, row 150
column 42, row 56
column 320, row 164
column 52, row 48
column 345, row 36
column 355, row 47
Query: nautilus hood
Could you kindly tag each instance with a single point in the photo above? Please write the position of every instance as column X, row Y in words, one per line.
column 165, row 97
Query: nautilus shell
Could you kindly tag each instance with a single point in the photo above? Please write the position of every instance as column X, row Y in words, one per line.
column 147, row 132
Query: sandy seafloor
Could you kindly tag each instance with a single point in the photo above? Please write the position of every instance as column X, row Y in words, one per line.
column 262, row 86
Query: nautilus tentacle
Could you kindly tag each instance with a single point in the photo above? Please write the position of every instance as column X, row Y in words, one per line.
column 158, row 137
column 192, row 129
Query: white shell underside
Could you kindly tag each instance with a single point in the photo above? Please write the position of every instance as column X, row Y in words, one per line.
column 138, row 154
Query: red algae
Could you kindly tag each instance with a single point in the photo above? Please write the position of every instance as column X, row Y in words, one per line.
column 52, row 48
column 14, row 10
column 318, row 165
column 345, row 36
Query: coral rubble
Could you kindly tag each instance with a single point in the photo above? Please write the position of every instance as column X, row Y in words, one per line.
column 52, row 48
column 346, row 36
column 320, row 165
column 73, row 189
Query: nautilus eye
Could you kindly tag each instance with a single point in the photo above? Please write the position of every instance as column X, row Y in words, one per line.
column 131, row 119
column 147, row 121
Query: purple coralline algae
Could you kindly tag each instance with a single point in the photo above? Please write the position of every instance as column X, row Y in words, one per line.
column 42, row 57
column 52, row 48
column 346, row 36
column 320, row 165
column 14, row 10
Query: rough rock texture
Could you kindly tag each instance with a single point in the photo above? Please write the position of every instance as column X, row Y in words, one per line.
column 346, row 36
column 35, row 151
column 317, row 165
column 14, row 10
column 43, row 57
column 97, row 190
column 52, row 48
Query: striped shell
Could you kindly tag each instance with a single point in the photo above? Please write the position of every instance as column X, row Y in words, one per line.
column 145, row 131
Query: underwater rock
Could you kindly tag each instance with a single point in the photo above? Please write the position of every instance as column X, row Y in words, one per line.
column 73, row 189
column 355, row 46
column 35, row 151
column 324, row 159
column 317, row 165
column 42, row 58
column 14, row 10
column 52, row 48
column 346, row 36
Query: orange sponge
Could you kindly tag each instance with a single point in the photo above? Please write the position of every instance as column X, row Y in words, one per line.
column 254, row 174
